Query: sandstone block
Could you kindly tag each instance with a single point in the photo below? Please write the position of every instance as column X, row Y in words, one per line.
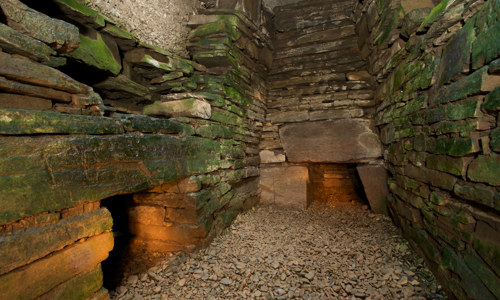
column 285, row 186
column 28, row 71
column 14, row 42
column 270, row 156
column 45, row 274
column 374, row 180
column 287, row 116
column 359, row 76
column 81, row 287
column 180, row 108
column 350, row 140
column 24, row 102
column 147, row 215
column 183, row 234
column 24, row 247
column 58, row 34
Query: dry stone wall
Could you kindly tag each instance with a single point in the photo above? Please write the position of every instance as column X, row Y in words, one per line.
column 436, row 65
column 181, row 135
column 320, row 106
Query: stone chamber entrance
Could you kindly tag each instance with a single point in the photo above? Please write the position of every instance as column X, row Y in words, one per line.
column 249, row 149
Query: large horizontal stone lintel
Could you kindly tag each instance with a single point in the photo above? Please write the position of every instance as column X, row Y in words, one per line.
column 337, row 141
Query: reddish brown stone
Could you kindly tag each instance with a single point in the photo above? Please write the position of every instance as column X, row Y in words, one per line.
column 285, row 186
column 337, row 141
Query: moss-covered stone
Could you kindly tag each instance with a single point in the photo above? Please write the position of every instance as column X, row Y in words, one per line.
column 215, row 131
column 495, row 140
column 84, row 11
column 15, row 42
column 58, row 34
column 456, row 54
column 475, row 193
column 124, row 84
column 20, row 122
column 436, row 12
column 485, row 169
column 151, row 125
column 492, row 102
column 474, row 287
column 486, row 46
column 462, row 88
column 97, row 53
column 47, row 173
column 225, row 23
column 456, row 166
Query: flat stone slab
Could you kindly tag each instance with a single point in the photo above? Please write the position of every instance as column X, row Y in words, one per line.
column 284, row 186
column 374, row 180
column 336, row 141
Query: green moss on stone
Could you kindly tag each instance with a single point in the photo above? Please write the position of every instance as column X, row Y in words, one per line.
column 492, row 102
column 97, row 54
column 495, row 140
column 486, row 46
column 22, row 122
column 83, row 9
column 436, row 12
column 485, row 169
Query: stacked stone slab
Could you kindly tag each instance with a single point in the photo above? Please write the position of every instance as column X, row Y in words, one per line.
column 437, row 110
column 192, row 164
column 320, row 96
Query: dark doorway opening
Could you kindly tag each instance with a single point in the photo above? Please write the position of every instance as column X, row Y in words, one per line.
column 116, row 265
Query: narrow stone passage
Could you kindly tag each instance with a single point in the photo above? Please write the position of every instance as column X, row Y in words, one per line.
column 340, row 251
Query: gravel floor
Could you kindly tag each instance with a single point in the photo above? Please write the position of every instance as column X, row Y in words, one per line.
column 325, row 252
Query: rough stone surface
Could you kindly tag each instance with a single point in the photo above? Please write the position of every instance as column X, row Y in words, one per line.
column 270, row 156
column 58, row 34
column 160, row 22
column 180, row 108
column 285, row 186
column 336, row 141
column 47, row 273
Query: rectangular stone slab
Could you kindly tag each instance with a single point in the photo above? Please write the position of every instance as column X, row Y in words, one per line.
column 374, row 180
column 337, row 141
column 285, row 186
column 44, row 173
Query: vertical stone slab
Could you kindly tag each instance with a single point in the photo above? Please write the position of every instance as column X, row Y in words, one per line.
column 285, row 186
column 374, row 179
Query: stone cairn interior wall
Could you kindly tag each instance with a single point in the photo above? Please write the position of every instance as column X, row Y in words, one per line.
column 320, row 104
column 87, row 111
column 436, row 66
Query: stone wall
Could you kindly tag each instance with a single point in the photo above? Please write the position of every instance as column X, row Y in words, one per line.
column 320, row 105
column 436, row 66
column 87, row 111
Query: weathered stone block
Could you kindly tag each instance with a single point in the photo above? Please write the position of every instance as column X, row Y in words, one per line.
column 492, row 102
column 270, row 156
column 32, row 72
column 181, row 108
column 24, row 247
column 81, row 287
column 485, row 169
column 14, row 42
column 19, row 122
column 374, row 180
column 486, row 46
column 351, row 140
column 179, row 234
column 285, row 186
column 46, row 173
column 455, row 166
column 58, row 34
column 45, row 274
column 98, row 53
column 287, row 116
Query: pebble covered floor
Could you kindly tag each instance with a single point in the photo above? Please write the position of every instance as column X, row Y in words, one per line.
column 340, row 251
